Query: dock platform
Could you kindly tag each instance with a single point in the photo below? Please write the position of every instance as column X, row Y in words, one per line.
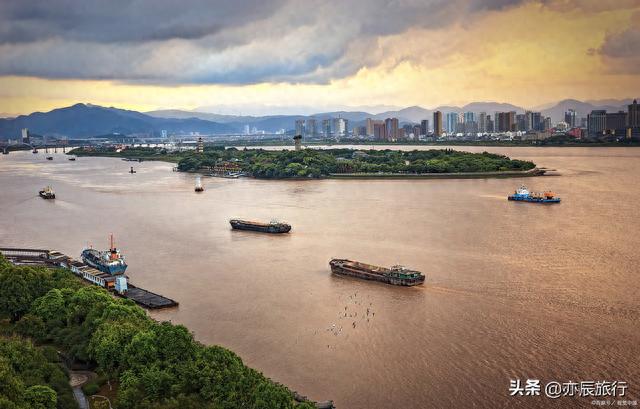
column 148, row 299
column 52, row 258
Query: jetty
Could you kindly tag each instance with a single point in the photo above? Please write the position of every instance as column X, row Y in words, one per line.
column 117, row 284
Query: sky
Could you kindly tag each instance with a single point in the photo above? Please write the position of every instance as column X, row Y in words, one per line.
column 302, row 56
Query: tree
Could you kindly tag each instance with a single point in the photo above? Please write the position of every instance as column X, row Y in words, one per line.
column 32, row 326
column 41, row 397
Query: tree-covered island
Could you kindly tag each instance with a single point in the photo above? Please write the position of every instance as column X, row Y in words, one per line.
column 323, row 163
column 46, row 313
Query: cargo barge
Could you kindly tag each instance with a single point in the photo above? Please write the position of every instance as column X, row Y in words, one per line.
column 396, row 275
column 272, row 227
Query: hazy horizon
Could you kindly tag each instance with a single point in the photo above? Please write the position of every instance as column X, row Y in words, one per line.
column 260, row 111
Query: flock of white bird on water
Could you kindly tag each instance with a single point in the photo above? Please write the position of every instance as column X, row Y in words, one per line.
column 357, row 311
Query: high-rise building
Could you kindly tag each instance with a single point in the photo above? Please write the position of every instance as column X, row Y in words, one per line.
column 311, row 129
column 596, row 122
column 616, row 122
column 633, row 115
column 460, row 124
column 537, row 122
column 370, row 124
column 391, row 125
column 379, row 131
column 359, row 131
column 417, row 131
column 490, row 124
column 533, row 121
column 521, row 122
column 340, row 127
column 469, row 123
column 437, row 123
column 545, row 124
column 528, row 121
column 505, row 121
column 407, row 130
column 469, row 117
column 482, row 122
column 25, row 135
column 570, row 118
column 300, row 127
column 424, row 127
column 583, row 122
column 452, row 122
column 326, row 128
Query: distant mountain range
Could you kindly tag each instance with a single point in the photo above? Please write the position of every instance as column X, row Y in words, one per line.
column 86, row 120
column 412, row 114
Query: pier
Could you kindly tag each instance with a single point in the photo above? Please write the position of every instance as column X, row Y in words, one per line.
column 113, row 283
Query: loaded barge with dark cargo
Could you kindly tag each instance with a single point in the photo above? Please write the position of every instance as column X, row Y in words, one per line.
column 396, row 275
column 272, row 227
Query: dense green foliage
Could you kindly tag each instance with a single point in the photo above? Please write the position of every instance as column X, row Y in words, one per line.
column 158, row 365
column 31, row 377
column 317, row 163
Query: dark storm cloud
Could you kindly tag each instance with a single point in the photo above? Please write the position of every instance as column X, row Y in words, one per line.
column 621, row 51
column 198, row 41
column 108, row 21
column 622, row 45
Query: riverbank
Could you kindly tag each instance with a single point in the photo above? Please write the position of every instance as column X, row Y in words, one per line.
column 461, row 175
column 154, row 362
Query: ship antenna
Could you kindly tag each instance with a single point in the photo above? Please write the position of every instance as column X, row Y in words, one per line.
column 111, row 239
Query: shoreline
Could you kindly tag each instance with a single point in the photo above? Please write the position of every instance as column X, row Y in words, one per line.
column 462, row 175
column 535, row 172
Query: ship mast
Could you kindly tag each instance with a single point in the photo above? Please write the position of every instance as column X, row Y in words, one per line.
column 112, row 248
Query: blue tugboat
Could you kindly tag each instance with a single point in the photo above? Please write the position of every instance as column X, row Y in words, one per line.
column 523, row 195
column 110, row 261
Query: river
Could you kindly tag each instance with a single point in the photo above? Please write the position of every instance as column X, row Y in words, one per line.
column 513, row 290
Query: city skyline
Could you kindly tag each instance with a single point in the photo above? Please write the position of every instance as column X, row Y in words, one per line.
column 429, row 54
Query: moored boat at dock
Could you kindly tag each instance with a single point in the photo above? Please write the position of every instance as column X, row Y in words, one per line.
column 522, row 194
column 47, row 193
column 271, row 227
column 117, row 283
column 396, row 275
column 110, row 261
